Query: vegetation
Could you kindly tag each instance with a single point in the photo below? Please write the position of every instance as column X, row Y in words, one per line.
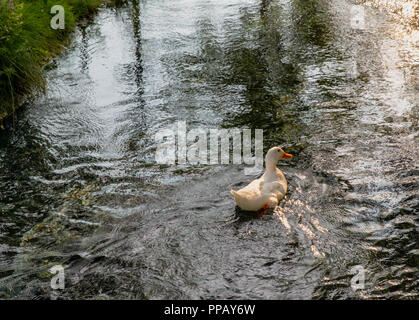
column 27, row 43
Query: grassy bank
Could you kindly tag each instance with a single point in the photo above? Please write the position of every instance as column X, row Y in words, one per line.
column 27, row 43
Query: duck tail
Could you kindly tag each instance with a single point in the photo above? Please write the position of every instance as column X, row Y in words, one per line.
column 234, row 193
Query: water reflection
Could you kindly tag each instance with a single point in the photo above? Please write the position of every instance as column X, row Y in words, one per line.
column 138, row 68
column 312, row 22
column 268, row 74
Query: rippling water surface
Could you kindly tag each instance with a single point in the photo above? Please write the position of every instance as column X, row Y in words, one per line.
column 79, row 185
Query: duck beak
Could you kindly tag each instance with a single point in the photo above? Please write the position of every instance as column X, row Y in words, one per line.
column 287, row 155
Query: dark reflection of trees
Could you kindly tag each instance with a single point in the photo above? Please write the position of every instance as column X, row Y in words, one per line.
column 264, row 68
column 253, row 59
column 84, row 49
column 209, row 56
column 268, row 69
column 118, row 3
column 264, row 6
column 136, row 114
column 138, row 64
column 311, row 21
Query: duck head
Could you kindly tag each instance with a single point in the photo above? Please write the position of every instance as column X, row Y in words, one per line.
column 274, row 155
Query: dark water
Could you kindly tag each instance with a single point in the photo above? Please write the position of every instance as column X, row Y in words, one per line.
column 79, row 185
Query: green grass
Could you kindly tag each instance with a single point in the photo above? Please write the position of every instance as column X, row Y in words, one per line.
column 27, row 43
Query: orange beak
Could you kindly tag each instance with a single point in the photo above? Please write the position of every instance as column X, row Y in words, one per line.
column 287, row 155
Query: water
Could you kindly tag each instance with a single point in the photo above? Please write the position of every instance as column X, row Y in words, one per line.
column 80, row 187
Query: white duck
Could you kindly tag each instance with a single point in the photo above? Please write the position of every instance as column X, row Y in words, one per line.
column 266, row 191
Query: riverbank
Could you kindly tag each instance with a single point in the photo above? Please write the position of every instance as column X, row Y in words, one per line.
column 28, row 43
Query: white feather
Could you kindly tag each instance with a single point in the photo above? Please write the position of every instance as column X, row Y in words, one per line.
column 269, row 189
